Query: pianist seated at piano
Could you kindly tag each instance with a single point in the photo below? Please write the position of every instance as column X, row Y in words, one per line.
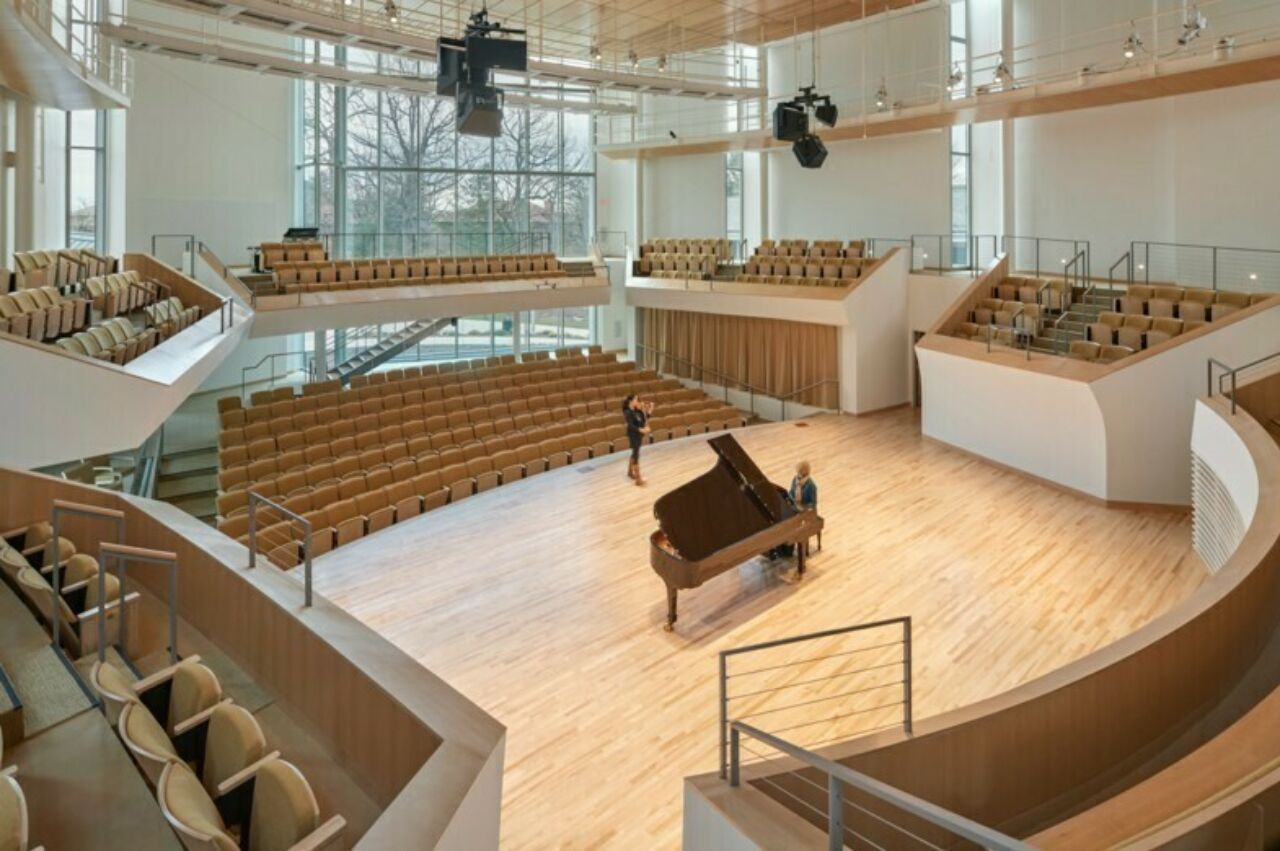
column 804, row 496
column 727, row 516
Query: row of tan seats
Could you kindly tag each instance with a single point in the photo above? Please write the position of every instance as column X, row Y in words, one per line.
column 170, row 316
column 217, row 782
column 344, row 501
column 1050, row 293
column 701, row 265
column 27, row 567
column 1008, row 314
column 1086, row 350
column 718, row 248
column 116, row 340
column 411, row 386
column 59, row 267
column 802, row 281
column 294, row 278
column 43, row 314
column 1137, row 331
column 273, row 253
column 396, row 431
column 811, row 267
column 803, row 248
column 123, row 292
column 1188, row 303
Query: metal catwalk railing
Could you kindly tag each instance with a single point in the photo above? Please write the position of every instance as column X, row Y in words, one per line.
column 857, row 810
column 819, row 687
column 1216, row 267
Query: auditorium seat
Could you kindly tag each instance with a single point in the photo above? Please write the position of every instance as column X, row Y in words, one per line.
column 1084, row 350
column 1110, row 353
column 15, row 821
column 281, row 812
column 174, row 695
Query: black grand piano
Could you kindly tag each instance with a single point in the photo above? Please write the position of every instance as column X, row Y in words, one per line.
column 726, row 516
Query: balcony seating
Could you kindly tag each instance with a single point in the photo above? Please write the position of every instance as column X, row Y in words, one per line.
column 700, row 266
column 801, row 248
column 719, row 249
column 170, row 316
column 14, row 820
column 329, row 276
column 59, row 267
column 42, row 314
column 174, row 695
column 116, row 340
column 355, row 462
column 278, row 812
column 1186, row 303
column 296, row 251
column 122, row 292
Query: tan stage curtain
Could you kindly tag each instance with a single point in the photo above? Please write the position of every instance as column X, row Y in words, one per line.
column 772, row 356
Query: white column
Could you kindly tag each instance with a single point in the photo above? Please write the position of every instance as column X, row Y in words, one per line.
column 517, row 338
column 321, row 354
column 24, row 195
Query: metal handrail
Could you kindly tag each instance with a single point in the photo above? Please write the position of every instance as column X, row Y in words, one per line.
column 527, row 241
column 1213, row 250
column 122, row 555
column 254, row 499
column 725, row 655
column 1127, row 258
column 839, row 776
column 742, row 385
column 60, row 507
column 190, row 240
column 1233, row 373
column 244, row 371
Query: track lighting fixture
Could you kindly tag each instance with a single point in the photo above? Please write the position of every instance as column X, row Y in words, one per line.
column 392, row 10
column 956, row 80
column 596, row 55
column 662, row 64
column 1225, row 47
column 1132, row 45
column 633, row 60
column 1193, row 26
column 1004, row 76
column 882, row 96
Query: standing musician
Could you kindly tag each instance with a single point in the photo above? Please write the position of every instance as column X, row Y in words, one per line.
column 637, row 414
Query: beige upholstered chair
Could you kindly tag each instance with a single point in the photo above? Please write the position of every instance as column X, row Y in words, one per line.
column 14, row 821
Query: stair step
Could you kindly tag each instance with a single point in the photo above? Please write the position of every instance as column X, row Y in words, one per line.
column 183, row 487
column 189, row 462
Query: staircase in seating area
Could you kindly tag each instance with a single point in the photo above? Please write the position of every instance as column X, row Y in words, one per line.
column 188, row 480
column 1061, row 327
column 387, row 348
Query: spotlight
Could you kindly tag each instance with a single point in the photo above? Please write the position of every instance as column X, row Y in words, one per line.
column 347, row 2
column 662, row 64
column 633, row 59
column 1193, row 26
column 826, row 113
column 1253, row 276
column 596, row 55
column 1225, row 47
column 809, row 151
column 1132, row 45
column 1004, row 76
column 956, row 80
column 671, row 133
column 882, row 97
column 393, row 12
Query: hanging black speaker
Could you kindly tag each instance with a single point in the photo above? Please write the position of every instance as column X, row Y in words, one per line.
column 809, row 151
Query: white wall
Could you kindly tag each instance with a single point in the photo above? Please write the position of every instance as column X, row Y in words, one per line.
column 878, row 312
column 209, row 154
column 890, row 187
column 684, row 196
column 1041, row 424
column 1195, row 168
column 616, row 197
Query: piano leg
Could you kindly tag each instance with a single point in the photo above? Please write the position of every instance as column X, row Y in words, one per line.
column 671, row 609
column 802, row 548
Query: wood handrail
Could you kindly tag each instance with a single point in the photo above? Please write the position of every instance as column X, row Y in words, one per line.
column 127, row 551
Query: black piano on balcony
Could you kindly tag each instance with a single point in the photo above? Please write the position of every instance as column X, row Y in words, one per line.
column 726, row 516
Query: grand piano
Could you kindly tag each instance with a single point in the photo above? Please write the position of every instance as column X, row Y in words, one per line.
column 726, row 516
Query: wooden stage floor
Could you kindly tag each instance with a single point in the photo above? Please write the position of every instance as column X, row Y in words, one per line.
column 537, row 601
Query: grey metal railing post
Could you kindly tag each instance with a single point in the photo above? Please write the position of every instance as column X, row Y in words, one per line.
column 102, row 595
column 1215, row 267
column 906, row 675
column 724, row 716
column 734, row 759
column 253, row 531
column 51, row 554
column 306, row 568
column 835, row 813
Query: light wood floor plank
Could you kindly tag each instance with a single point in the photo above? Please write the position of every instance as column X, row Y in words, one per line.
column 536, row 600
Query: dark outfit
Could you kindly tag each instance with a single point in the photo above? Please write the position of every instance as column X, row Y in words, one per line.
column 804, row 496
column 636, row 420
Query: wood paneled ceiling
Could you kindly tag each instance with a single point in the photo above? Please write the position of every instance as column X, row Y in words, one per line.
column 652, row 28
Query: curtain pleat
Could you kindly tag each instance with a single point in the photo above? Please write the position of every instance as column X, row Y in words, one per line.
column 773, row 356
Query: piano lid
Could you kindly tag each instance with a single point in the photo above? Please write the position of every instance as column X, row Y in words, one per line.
column 728, row 503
